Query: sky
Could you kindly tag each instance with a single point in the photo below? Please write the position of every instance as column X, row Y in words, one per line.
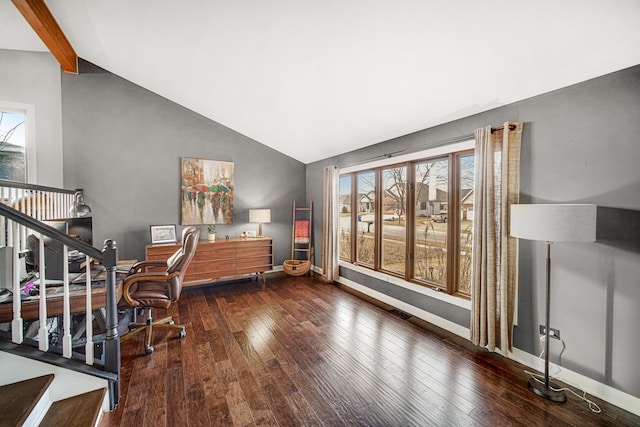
column 9, row 120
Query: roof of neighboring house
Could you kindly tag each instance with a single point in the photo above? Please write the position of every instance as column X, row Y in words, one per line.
column 11, row 148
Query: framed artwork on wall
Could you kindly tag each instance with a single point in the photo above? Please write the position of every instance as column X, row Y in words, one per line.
column 163, row 234
column 207, row 191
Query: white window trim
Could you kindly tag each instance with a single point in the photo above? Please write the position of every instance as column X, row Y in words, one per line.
column 29, row 112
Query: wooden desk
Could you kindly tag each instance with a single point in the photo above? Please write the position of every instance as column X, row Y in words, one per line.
column 222, row 260
column 55, row 302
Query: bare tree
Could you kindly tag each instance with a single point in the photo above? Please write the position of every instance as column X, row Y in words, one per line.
column 395, row 183
column 6, row 135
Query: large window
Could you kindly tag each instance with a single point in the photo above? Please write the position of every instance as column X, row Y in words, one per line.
column 422, row 226
column 13, row 154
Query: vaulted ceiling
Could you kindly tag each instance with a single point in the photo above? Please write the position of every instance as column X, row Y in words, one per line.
column 313, row 79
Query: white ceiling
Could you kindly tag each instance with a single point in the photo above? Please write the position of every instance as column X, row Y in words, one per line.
column 313, row 79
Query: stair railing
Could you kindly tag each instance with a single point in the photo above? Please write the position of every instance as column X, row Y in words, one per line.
column 23, row 207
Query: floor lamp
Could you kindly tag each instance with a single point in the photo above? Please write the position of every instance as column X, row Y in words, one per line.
column 552, row 223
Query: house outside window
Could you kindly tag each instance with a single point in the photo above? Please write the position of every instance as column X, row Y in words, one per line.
column 422, row 228
column 13, row 155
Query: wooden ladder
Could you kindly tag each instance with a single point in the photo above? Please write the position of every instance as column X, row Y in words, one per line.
column 301, row 250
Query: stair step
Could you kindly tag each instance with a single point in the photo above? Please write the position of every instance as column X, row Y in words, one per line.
column 81, row 410
column 17, row 400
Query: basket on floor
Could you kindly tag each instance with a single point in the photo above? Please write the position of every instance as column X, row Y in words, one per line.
column 294, row 267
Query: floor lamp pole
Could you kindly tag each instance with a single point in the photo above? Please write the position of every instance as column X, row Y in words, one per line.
column 546, row 390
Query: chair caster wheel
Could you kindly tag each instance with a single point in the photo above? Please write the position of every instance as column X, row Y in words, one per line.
column 148, row 350
column 183, row 334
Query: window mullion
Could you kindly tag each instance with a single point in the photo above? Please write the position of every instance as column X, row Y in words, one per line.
column 409, row 221
column 378, row 221
column 453, row 223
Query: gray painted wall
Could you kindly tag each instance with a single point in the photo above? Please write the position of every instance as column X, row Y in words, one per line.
column 34, row 78
column 123, row 145
column 580, row 144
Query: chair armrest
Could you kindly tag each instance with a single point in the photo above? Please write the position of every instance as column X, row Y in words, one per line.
column 131, row 279
column 141, row 265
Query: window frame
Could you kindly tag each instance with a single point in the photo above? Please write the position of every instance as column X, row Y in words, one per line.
column 452, row 153
column 29, row 112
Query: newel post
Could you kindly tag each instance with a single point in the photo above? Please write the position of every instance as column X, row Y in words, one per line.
column 112, row 341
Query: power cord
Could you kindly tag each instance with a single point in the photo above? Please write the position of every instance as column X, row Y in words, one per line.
column 540, row 378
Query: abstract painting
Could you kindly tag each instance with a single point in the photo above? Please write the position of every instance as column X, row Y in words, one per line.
column 207, row 191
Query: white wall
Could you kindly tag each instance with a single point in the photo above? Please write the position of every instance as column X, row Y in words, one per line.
column 33, row 79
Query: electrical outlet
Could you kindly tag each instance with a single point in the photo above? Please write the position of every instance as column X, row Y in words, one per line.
column 553, row 333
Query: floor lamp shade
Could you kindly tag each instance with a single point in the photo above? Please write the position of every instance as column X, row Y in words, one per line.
column 552, row 223
column 260, row 216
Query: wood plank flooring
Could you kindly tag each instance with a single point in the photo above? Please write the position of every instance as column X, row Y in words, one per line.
column 297, row 351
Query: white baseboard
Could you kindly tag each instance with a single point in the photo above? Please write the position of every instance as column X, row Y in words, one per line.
column 580, row 382
column 602, row 391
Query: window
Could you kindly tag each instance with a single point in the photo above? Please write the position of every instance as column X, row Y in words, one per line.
column 345, row 218
column 430, row 225
column 365, row 206
column 13, row 154
column 421, row 230
column 394, row 207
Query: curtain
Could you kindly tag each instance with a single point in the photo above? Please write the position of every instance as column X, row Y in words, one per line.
column 495, row 253
column 330, row 220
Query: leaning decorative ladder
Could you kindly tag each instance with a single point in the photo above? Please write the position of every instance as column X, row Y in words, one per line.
column 23, row 208
column 301, row 241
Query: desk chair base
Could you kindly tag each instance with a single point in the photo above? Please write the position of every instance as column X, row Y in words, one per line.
column 148, row 327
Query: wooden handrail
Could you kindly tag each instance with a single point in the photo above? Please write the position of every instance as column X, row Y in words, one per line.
column 44, row 229
column 33, row 187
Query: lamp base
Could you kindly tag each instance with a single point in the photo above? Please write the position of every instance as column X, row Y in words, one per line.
column 538, row 388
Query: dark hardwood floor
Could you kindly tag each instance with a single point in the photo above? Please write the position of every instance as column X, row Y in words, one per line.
column 300, row 352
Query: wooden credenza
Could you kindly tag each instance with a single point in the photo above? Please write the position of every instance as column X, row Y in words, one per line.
column 222, row 260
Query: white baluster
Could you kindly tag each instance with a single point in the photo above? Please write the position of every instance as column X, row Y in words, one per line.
column 66, row 312
column 43, row 332
column 40, row 208
column 89, row 315
column 3, row 224
column 17, row 333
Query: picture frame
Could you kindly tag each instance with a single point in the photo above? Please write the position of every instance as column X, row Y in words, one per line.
column 250, row 233
column 207, row 191
column 165, row 233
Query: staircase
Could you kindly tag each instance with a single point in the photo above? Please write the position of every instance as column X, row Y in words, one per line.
column 34, row 393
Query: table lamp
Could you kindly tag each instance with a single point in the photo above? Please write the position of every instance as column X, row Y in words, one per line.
column 552, row 223
column 260, row 216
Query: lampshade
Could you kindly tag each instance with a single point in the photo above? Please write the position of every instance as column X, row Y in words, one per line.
column 554, row 222
column 260, row 216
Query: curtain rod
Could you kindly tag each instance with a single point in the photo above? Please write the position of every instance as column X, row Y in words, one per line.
column 414, row 149
column 425, row 146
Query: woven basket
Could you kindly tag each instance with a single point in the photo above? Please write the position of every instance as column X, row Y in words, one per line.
column 294, row 267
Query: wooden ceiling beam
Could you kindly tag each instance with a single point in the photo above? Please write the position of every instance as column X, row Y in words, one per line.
column 44, row 24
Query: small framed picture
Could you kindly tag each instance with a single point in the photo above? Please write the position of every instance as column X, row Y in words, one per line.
column 163, row 234
column 250, row 233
